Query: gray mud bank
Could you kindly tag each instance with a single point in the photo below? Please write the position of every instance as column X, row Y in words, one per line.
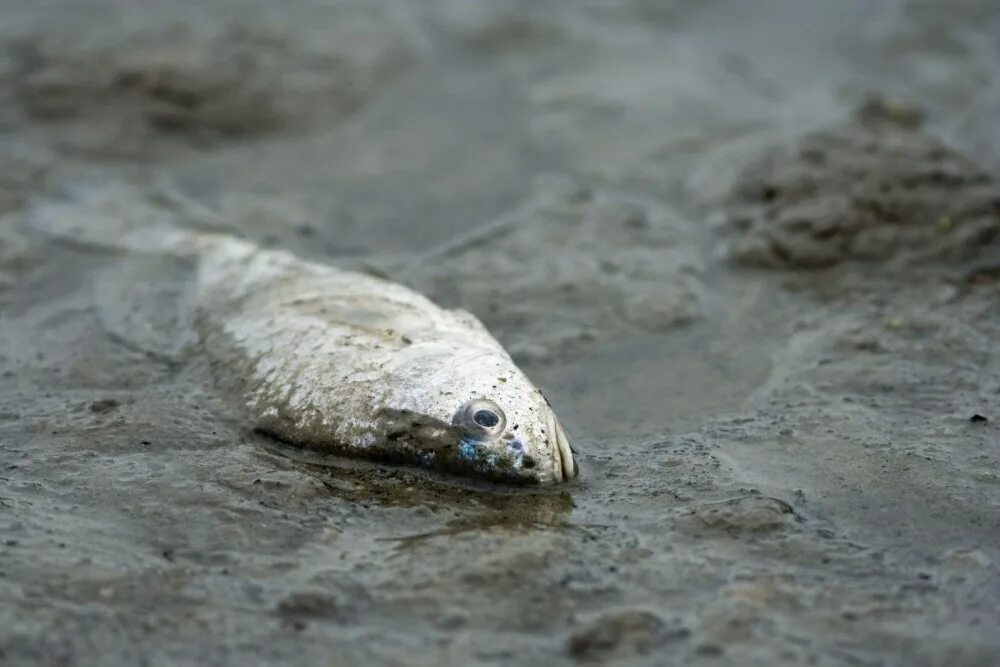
column 750, row 250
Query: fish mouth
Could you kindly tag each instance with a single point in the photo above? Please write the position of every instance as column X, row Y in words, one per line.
column 564, row 467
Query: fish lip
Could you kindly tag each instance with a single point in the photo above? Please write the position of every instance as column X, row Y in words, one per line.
column 563, row 466
column 569, row 467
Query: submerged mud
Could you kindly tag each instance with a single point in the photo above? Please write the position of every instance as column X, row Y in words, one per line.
column 788, row 466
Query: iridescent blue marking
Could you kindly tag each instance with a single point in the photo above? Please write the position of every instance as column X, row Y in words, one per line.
column 467, row 449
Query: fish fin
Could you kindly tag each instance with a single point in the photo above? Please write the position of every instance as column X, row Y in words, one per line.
column 384, row 266
column 147, row 303
column 113, row 217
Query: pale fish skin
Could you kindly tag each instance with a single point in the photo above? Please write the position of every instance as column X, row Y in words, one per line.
column 343, row 362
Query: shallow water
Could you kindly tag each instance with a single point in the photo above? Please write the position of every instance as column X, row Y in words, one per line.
column 773, row 425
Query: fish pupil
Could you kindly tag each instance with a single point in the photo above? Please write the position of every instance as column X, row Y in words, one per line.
column 486, row 418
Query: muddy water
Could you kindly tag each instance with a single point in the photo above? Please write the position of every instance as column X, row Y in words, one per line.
column 749, row 250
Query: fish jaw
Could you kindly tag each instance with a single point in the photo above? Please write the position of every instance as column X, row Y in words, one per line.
column 482, row 459
column 564, row 466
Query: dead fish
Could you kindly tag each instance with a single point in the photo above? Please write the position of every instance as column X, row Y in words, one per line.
column 335, row 360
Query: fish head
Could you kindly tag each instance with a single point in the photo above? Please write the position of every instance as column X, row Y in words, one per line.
column 517, row 438
column 493, row 422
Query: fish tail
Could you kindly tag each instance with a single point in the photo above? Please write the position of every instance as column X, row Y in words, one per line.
column 115, row 217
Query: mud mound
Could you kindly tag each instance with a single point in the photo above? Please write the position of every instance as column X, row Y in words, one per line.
column 748, row 515
column 875, row 188
column 131, row 95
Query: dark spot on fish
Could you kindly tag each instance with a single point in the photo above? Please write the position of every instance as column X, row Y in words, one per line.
column 515, row 427
column 528, row 462
column 406, row 340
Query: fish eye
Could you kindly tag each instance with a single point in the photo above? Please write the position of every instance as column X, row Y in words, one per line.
column 482, row 417
column 486, row 418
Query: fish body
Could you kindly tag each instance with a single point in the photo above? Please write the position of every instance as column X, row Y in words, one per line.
column 347, row 363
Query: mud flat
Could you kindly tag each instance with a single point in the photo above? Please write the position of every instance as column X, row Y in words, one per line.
column 750, row 251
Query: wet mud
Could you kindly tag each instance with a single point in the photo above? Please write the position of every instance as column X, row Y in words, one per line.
column 750, row 252
column 876, row 188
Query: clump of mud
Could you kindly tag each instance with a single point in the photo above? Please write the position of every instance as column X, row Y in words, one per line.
column 623, row 634
column 128, row 95
column 748, row 515
column 874, row 188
